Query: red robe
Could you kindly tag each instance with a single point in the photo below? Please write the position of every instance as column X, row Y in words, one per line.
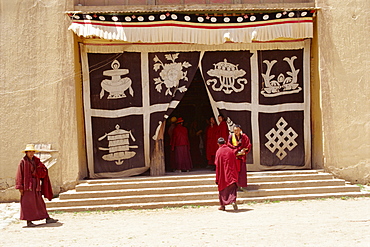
column 172, row 154
column 223, row 130
column 227, row 171
column 243, row 142
column 211, row 143
column 181, row 146
column 32, row 177
column 226, row 175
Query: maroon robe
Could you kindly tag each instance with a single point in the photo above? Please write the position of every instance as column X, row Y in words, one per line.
column 243, row 142
column 32, row 177
column 211, row 143
column 227, row 174
column 172, row 154
column 223, row 130
column 180, row 145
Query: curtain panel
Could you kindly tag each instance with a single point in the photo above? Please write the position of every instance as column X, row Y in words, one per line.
column 127, row 96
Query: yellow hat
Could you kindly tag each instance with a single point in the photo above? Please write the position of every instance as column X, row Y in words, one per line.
column 173, row 119
column 30, row 147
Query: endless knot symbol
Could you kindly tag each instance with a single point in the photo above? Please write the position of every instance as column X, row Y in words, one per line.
column 281, row 139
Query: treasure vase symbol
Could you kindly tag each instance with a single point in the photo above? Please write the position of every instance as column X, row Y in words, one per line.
column 228, row 75
column 281, row 138
column 118, row 145
column 116, row 86
column 171, row 74
column 282, row 85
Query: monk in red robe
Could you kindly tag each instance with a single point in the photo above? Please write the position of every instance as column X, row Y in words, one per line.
column 226, row 174
column 242, row 146
column 211, row 142
column 170, row 132
column 223, row 130
column 181, row 146
column 32, row 181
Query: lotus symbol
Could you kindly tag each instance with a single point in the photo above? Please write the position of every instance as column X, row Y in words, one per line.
column 171, row 74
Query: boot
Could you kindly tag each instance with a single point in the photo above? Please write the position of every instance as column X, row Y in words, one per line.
column 30, row 224
column 51, row 220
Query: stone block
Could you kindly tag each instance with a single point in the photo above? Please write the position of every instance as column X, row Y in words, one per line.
column 195, row 2
column 168, row 2
column 250, row 1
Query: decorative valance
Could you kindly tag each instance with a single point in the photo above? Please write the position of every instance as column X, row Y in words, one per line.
column 195, row 28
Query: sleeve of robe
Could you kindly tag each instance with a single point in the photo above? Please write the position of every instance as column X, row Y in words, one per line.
column 23, row 178
column 19, row 176
column 43, row 174
column 246, row 143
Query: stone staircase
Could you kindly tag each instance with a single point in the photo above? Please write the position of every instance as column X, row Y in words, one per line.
column 198, row 188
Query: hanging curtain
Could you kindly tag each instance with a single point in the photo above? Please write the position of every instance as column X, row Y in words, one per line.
column 267, row 93
column 127, row 96
column 281, row 116
column 227, row 76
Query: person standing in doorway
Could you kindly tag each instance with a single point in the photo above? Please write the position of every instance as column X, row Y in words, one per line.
column 226, row 175
column 211, row 142
column 223, row 130
column 242, row 146
column 32, row 181
column 181, row 146
column 173, row 124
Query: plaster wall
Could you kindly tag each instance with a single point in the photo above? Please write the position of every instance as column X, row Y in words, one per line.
column 37, row 89
column 343, row 31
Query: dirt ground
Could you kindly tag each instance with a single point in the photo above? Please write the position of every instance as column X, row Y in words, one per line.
column 321, row 222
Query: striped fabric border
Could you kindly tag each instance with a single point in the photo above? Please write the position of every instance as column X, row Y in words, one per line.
column 197, row 29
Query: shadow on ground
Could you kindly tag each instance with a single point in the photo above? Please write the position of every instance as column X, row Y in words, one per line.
column 58, row 224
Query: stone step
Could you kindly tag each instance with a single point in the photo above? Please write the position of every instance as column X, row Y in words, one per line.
column 198, row 196
column 296, row 184
column 301, row 190
column 294, row 177
column 141, row 191
column 199, row 188
column 209, row 202
column 195, row 175
column 191, row 181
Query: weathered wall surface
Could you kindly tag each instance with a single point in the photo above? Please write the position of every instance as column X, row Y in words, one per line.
column 343, row 33
column 37, row 92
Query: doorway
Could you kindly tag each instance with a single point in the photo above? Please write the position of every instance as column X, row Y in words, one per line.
column 195, row 108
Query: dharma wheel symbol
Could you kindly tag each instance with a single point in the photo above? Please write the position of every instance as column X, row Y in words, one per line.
column 118, row 145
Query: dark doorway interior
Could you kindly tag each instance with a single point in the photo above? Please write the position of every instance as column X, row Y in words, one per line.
column 195, row 109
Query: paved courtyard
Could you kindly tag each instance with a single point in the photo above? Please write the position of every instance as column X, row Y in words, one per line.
column 321, row 222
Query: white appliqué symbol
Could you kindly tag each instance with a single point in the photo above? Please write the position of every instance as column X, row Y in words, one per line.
column 117, row 86
column 228, row 74
column 281, row 139
column 230, row 124
column 171, row 74
column 118, row 145
column 283, row 85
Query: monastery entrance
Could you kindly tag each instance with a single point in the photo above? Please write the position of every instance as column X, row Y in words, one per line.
column 137, row 70
column 130, row 96
column 195, row 109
